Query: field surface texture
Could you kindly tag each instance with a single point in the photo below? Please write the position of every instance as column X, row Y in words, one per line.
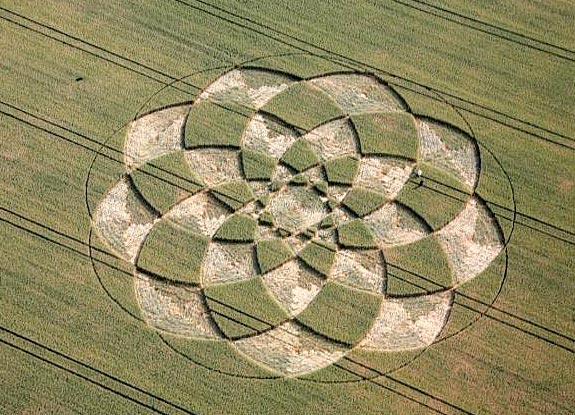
column 240, row 207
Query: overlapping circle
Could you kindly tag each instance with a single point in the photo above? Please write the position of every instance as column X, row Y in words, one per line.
column 278, row 214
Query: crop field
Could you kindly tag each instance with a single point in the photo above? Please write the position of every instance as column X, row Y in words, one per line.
column 240, row 207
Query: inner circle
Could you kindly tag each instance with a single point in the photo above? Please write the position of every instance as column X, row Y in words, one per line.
column 296, row 208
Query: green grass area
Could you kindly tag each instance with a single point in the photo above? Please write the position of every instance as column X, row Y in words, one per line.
column 266, row 218
column 271, row 253
column 173, row 253
column 235, row 194
column 341, row 313
column 217, row 355
column 243, row 308
column 362, row 364
column 257, row 166
column 341, row 170
column 165, row 181
column 318, row 255
column 423, row 104
column 321, row 187
column 363, row 201
column 417, row 268
column 438, row 199
column 51, row 295
column 328, row 222
column 299, row 179
column 303, row 106
column 237, row 228
column 355, row 234
column 216, row 125
column 476, row 294
column 300, row 156
column 390, row 134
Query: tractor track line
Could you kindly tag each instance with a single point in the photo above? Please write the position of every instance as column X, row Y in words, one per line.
column 94, row 371
column 350, row 61
column 167, row 172
column 129, row 274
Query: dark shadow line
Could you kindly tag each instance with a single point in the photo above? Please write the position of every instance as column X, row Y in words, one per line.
column 350, row 67
column 311, row 330
column 99, row 153
column 406, row 385
column 498, row 215
column 170, row 84
column 489, row 118
column 418, row 92
column 422, row 277
column 353, row 61
column 432, row 189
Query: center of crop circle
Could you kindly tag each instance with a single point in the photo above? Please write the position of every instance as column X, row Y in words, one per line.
column 296, row 208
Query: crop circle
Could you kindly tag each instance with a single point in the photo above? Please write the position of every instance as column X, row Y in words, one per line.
column 287, row 217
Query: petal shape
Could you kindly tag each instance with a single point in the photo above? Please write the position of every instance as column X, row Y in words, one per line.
column 303, row 106
column 362, row 269
column 123, row 220
column 394, row 224
column 319, row 256
column 237, row 228
column 300, row 156
column 226, row 262
column 391, row 134
column 234, row 194
column 333, row 139
column 272, row 253
column 293, row 286
column 386, row 175
column 266, row 134
column 341, row 313
column 296, row 208
column 355, row 234
column 437, row 197
column 172, row 253
column 166, row 181
column 251, row 87
column 175, row 308
column 200, row 213
column 408, row 323
column 362, row 201
column 154, row 135
column 341, row 170
column 291, row 350
column 215, row 165
column 417, row 268
column 360, row 93
column 471, row 241
column 449, row 149
column 243, row 308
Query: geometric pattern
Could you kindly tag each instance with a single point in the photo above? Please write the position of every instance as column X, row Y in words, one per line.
column 279, row 214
